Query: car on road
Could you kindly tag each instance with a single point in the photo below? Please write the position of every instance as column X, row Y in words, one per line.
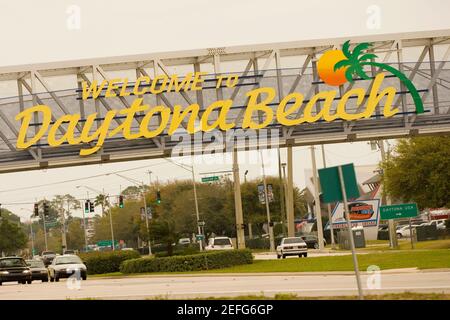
column 47, row 257
column 312, row 241
column 184, row 241
column 219, row 243
column 69, row 251
column 292, row 246
column 65, row 266
column 38, row 270
column 14, row 269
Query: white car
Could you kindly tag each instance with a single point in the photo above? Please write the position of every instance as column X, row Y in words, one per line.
column 293, row 246
column 440, row 224
column 65, row 266
column 404, row 232
column 219, row 243
column 184, row 241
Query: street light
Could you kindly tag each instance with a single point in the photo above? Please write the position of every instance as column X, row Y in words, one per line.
column 191, row 169
column 110, row 213
column 139, row 183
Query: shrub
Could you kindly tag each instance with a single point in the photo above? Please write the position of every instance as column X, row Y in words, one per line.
column 195, row 262
column 106, row 261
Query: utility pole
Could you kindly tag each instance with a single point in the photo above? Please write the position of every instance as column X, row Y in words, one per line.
column 290, row 193
column 269, row 222
column 281, row 186
column 391, row 223
column 330, row 218
column 110, row 218
column 32, row 238
column 240, row 234
column 45, row 230
column 317, row 209
column 146, row 219
column 63, row 218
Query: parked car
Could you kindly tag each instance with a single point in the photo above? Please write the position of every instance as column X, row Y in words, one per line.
column 47, row 257
column 219, row 243
column 38, row 270
column 65, row 266
column 14, row 269
column 184, row 241
column 292, row 246
column 440, row 224
column 312, row 241
column 404, row 231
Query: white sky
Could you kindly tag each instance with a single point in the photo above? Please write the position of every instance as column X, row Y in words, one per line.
column 36, row 31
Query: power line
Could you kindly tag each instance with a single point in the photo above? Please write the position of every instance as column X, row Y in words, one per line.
column 78, row 179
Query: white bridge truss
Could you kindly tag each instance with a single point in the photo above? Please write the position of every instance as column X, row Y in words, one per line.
column 287, row 67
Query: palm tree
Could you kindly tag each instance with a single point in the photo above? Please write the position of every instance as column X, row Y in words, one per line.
column 101, row 200
column 357, row 59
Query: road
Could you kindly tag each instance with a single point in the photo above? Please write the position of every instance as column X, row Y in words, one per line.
column 220, row 285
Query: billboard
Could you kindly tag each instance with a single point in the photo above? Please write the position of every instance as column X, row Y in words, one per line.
column 362, row 212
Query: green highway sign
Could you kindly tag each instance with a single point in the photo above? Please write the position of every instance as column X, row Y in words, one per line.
column 51, row 224
column 199, row 237
column 210, row 179
column 331, row 185
column 398, row 211
column 107, row 243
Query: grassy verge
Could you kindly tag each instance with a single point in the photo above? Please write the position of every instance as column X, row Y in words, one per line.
column 405, row 244
column 422, row 259
column 388, row 296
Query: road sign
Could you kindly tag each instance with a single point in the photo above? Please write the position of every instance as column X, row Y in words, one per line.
column 399, row 211
column 210, row 179
column 261, row 195
column 331, row 186
column 201, row 223
column 199, row 237
column 51, row 224
column 107, row 243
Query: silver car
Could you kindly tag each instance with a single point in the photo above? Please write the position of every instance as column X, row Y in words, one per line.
column 293, row 246
column 66, row 266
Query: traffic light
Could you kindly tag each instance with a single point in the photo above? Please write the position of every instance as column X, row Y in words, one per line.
column 120, row 201
column 46, row 208
column 158, row 197
column 91, row 206
column 36, row 209
column 86, row 206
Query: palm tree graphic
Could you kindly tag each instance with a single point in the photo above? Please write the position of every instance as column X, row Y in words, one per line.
column 358, row 58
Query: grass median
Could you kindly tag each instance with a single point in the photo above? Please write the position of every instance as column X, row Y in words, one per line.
column 421, row 259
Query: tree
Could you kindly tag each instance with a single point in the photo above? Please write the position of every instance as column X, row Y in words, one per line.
column 102, row 201
column 419, row 171
column 75, row 234
column 12, row 238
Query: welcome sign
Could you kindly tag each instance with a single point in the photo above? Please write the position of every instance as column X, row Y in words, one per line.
column 335, row 67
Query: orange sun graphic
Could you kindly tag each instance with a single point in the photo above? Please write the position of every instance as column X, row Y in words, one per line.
column 325, row 68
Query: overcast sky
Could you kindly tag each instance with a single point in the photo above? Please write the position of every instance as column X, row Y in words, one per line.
column 43, row 31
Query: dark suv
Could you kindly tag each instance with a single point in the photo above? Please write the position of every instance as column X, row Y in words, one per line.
column 14, row 269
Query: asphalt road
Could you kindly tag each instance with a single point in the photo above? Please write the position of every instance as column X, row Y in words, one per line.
column 185, row 286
